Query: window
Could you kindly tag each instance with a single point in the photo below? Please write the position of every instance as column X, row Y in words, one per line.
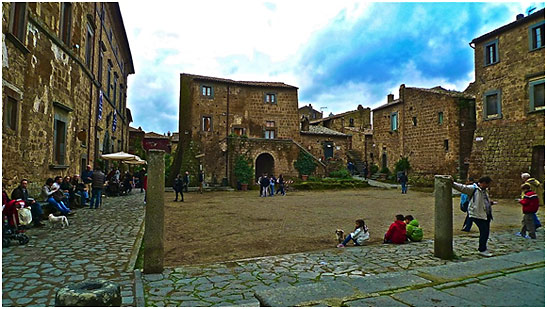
column 351, row 122
column 18, row 22
column 89, row 46
column 536, row 35
column 270, row 124
column 440, row 117
column 239, row 131
column 108, row 76
column 66, row 22
column 491, row 53
column 60, row 129
column 445, row 145
column 115, row 88
column 414, row 121
column 269, row 133
column 393, row 121
column 537, row 95
column 270, row 98
column 10, row 115
column 492, row 104
column 206, row 123
column 207, row 91
column 100, row 73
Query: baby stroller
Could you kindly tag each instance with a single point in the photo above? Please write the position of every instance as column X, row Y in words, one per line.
column 11, row 231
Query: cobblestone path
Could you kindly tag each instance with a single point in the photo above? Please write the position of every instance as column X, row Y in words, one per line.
column 234, row 283
column 97, row 245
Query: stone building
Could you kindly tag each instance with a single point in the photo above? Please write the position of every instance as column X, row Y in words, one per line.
column 223, row 118
column 510, row 97
column 64, row 83
column 153, row 140
column 310, row 112
column 324, row 143
column 357, row 124
column 433, row 128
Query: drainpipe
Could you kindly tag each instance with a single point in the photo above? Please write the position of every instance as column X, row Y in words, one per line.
column 91, row 92
column 227, row 129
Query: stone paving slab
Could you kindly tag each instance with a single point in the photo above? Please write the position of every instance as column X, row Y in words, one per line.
column 235, row 282
column 97, row 245
column 379, row 301
column 472, row 268
column 535, row 276
column 528, row 257
column 503, row 292
column 430, row 297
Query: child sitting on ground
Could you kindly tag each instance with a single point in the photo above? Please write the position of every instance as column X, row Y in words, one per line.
column 530, row 205
column 358, row 236
column 413, row 230
column 397, row 231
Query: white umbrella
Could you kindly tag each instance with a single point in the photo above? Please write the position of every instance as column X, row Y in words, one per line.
column 124, row 157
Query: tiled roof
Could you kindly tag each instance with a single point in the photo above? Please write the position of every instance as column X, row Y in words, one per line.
column 441, row 90
column 395, row 102
column 509, row 26
column 320, row 130
column 154, row 135
column 335, row 116
column 134, row 129
column 245, row 83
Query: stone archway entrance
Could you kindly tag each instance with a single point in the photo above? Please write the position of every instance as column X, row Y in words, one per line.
column 264, row 164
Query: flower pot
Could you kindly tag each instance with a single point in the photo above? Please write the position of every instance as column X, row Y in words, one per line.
column 244, row 187
column 304, row 177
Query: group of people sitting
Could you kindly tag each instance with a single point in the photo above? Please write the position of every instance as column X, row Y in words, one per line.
column 267, row 185
column 404, row 228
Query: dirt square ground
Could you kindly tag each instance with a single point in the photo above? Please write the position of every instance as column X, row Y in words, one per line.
column 223, row 226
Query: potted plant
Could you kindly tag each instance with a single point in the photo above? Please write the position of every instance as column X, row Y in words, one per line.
column 305, row 164
column 243, row 172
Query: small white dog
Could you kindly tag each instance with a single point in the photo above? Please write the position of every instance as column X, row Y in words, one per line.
column 56, row 221
column 340, row 235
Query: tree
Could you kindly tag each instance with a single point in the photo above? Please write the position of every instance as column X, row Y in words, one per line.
column 243, row 170
column 305, row 164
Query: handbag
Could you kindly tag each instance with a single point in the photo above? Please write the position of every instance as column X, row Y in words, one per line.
column 58, row 196
column 25, row 216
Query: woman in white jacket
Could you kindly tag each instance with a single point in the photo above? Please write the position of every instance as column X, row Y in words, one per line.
column 358, row 236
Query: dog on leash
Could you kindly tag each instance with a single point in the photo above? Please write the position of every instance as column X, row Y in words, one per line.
column 340, row 235
column 54, row 221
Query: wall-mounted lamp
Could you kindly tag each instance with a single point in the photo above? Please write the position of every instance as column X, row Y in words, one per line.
column 76, row 46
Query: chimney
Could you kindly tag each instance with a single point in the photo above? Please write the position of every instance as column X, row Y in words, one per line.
column 520, row 16
column 304, row 123
column 390, row 98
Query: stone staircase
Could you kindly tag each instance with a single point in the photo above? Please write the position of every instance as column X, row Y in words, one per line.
column 355, row 157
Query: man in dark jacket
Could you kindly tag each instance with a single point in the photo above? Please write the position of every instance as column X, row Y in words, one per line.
column 186, row 181
column 177, row 186
column 97, row 185
column 21, row 192
column 264, row 184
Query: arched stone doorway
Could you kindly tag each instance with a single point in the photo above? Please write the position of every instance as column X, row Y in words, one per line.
column 264, row 164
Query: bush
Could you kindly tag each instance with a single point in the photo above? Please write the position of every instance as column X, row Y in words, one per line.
column 305, row 164
column 373, row 169
column 243, row 170
column 341, row 173
column 330, row 184
column 402, row 165
column 385, row 170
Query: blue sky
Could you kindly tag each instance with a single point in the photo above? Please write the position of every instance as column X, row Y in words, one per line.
column 339, row 53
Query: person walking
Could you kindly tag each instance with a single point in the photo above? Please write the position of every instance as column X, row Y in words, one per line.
column 97, row 185
column 281, row 183
column 480, row 209
column 365, row 170
column 530, row 205
column 177, row 186
column 201, row 181
column 403, row 179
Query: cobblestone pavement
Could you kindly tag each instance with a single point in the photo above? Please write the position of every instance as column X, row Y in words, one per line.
column 234, row 283
column 97, row 245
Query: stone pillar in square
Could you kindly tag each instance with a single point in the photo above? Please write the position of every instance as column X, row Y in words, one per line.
column 443, row 247
column 154, row 213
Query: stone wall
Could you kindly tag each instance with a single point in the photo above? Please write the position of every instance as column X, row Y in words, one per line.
column 434, row 130
column 315, row 145
column 50, row 80
column 503, row 146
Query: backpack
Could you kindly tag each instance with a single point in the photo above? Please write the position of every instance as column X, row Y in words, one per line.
column 465, row 206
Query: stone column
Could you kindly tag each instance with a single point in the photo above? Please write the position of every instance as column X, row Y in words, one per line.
column 154, row 213
column 443, row 217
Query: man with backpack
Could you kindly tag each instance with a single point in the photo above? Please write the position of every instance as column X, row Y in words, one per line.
column 479, row 209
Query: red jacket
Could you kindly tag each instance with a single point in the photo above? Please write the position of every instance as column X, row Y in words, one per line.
column 530, row 202
column 396, row 232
